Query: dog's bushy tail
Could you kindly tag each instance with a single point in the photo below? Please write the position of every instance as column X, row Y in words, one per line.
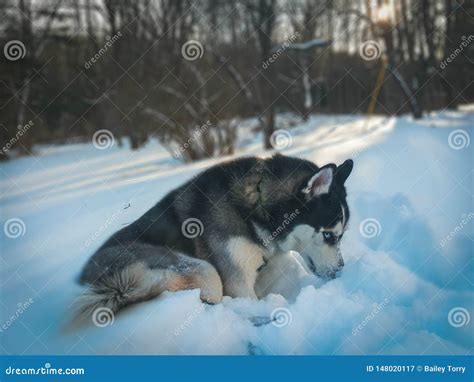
column 105, row 297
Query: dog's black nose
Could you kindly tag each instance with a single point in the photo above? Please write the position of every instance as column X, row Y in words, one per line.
column 340, row 265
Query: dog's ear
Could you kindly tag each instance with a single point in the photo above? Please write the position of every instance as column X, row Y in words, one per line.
column 320, row 183
column 344, row 170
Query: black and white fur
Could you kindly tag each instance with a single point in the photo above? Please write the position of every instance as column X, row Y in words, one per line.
column 239, row 203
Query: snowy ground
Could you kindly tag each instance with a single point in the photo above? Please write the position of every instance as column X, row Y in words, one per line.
column 407, row 287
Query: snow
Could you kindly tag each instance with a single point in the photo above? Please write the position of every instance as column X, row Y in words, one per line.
column 401, row 281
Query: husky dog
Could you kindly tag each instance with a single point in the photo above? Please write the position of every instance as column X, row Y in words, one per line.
column 217, row 231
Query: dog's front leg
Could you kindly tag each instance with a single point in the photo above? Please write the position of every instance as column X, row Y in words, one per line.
column 240, row 267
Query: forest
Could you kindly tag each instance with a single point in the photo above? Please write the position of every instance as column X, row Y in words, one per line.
column 166, row 68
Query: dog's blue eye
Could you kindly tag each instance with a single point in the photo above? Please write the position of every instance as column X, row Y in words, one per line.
column 328, row 235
